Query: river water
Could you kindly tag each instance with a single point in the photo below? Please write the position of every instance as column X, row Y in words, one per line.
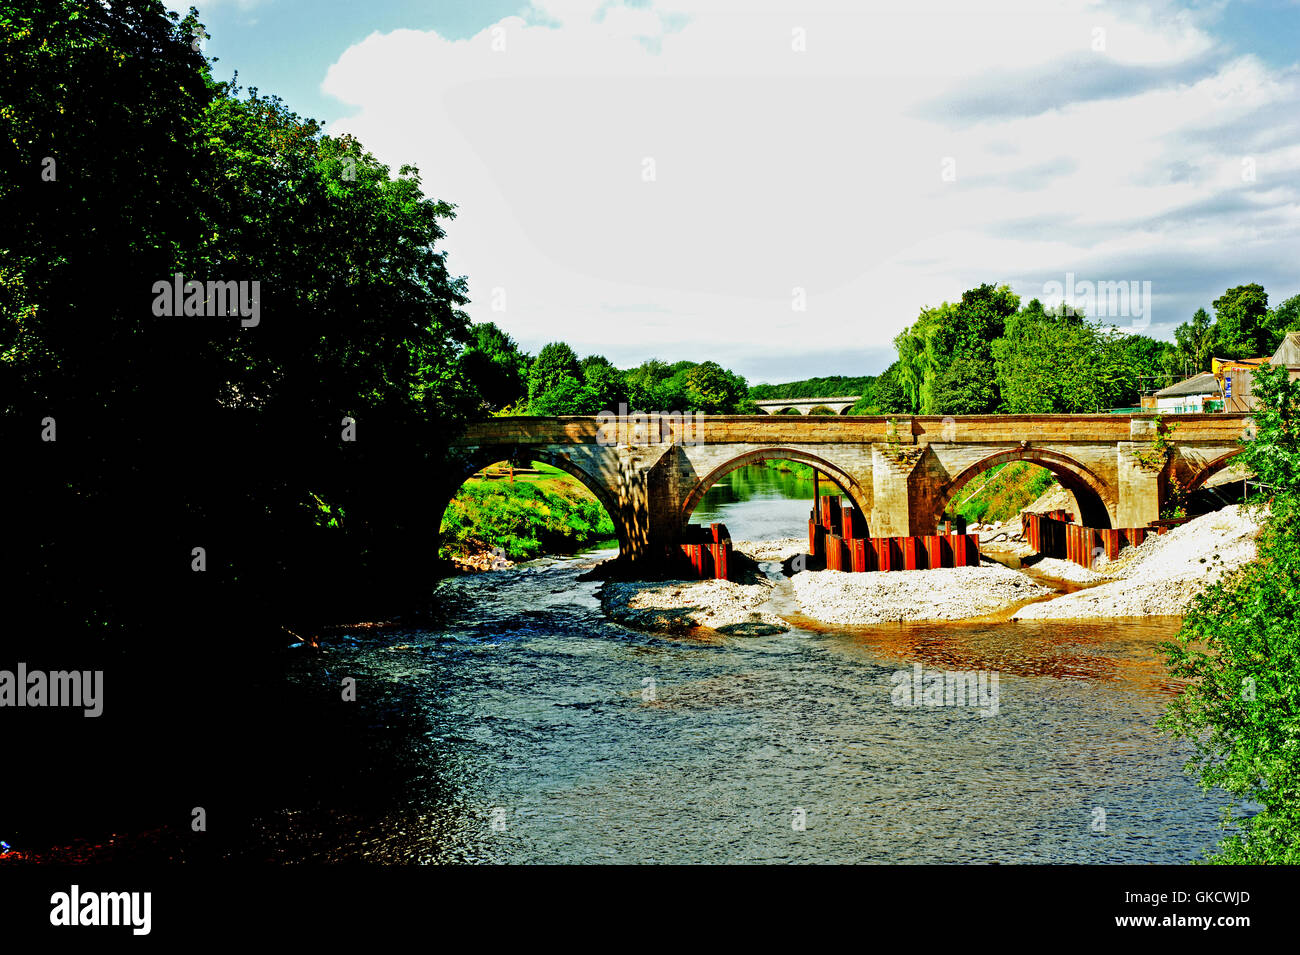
column 524, row 727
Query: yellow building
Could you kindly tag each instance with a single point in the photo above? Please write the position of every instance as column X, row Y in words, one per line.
column 1236, row 376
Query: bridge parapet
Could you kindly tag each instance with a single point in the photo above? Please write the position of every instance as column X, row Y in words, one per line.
column 904, row 429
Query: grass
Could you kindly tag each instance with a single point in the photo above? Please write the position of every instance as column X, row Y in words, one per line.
column 1002, row 491
column 547, row 512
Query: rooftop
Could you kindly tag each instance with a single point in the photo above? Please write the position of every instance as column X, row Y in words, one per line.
column 1203, row 384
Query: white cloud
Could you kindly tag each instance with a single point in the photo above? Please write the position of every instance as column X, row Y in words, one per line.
column 776, row 169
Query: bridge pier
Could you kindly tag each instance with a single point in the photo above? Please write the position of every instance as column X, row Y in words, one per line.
column 892, row 510
column 1141, row 488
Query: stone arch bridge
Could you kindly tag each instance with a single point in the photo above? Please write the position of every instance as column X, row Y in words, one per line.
column 839, row 405
column 650, row 471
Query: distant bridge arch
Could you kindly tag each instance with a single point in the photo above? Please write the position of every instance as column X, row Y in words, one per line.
column 839, row 405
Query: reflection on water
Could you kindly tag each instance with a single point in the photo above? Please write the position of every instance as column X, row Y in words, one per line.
column 760, row 503
column 524, row 727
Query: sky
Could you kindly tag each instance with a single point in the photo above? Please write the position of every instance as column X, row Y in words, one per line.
column 782, row 185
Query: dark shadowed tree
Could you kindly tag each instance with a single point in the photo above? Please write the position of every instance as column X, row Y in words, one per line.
column 496, row 365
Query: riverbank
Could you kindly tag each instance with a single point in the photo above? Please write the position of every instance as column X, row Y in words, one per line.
column 1162, row 576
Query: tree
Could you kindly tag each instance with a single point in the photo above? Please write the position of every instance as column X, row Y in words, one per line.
column 204, row 427
column 1240, row 327
column 965, row 385
column 1239, row 650
column 918, row 361
column 496, row 365
column 1196, row 340
column 220, row 443
column 553, row 364
column 607, row 387
column 567, row 397
column 1273, row 454
column 1282, row 319
column 961, row 333
column 1143, row 364
column 883, row 396
column 710, row 388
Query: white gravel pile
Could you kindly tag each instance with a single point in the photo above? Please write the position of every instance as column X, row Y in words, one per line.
column 781, row 549
column 677, row 605
column 1059, row 569
column 832, row 596
column 1163, row 575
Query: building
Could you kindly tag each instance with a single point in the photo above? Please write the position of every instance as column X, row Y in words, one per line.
column 1191, row 396
column 1236, row 376
column 1288, row 353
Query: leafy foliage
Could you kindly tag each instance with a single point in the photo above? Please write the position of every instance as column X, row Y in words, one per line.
column 1240, row 329
column 987, row 354
column 524, row 520
column 883, row 396
column 555, row 366
column 561, row 385
column 1239, row 648
column 1243, row 327
column 1003, row 492
column 183, row 431
column 829, row 387
column 1196, row 340
column 496, row 365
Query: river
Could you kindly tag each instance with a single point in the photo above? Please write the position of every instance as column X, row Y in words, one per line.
column 524, row 727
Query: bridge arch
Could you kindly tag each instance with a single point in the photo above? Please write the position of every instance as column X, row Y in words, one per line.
column 1094, row 497
column 1211, row 469
column 466, row 466
column 846, row 483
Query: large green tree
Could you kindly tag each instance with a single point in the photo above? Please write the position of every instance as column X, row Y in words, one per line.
column 1239, row 651
column 496, row 365
column 185, row 484
column 125, row 163
column 1240, row 326
column 945, row 358
column 555, row 366
column 712, row 389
